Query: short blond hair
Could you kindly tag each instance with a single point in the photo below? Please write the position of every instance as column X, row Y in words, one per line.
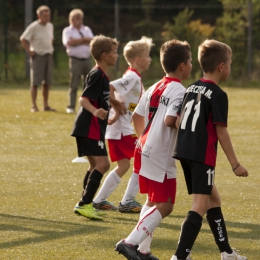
column 212, row 53
column 42, row 8
column 100, row 44
column 75, row 12
column 135, row 49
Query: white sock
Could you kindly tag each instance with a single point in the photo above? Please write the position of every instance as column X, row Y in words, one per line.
column 145, row 226
column 131, row 190
column 144, row 247
column 109, row 185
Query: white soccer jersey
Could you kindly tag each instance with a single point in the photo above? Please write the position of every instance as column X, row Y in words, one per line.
column 129, row 89
column 153, row 154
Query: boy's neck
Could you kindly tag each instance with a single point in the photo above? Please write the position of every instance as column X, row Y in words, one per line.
column 102, row 65
column 175, row 75
column 215, row 77
column 136, row 67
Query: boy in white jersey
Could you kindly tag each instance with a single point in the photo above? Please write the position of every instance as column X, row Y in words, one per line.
column 121, row 135
column 157, row 110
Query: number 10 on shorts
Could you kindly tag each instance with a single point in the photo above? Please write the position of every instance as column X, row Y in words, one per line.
column 210, row 177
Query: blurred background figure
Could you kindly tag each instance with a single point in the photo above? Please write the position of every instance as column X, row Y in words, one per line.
column 76, row 39
column 37, row 40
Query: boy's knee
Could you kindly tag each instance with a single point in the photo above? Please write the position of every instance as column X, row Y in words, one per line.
column 103, row 167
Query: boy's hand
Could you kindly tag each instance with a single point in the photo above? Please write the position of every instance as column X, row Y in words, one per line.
column 240, row 171
column 119, row 106
column 100, row 113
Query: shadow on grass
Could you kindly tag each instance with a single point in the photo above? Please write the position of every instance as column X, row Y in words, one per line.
column 43, row 230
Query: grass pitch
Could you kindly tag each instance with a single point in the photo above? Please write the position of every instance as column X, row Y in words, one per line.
column 40, row 186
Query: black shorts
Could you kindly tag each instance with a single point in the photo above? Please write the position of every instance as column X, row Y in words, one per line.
column 90, row 147
column 199, row 176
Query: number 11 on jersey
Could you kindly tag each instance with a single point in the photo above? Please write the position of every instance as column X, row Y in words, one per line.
column 187, row 113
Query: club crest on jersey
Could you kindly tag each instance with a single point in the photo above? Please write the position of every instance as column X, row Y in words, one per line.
column 146, row 151
column 132, row 107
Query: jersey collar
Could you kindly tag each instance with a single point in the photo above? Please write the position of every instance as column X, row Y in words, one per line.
column 207, row 80
column 171, row 79
column 134, row 70
column 102, row 71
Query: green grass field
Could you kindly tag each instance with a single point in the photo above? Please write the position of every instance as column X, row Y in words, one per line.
column 40, row 186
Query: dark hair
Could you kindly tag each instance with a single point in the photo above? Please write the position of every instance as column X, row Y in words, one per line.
column 173, row 53
column 212, row 53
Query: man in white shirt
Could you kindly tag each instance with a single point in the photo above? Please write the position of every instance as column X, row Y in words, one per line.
column 76, row 39
column 37, row 40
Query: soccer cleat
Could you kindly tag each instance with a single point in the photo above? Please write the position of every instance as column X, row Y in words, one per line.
column 87, row 211
column 148, row 256
column 233, row 256
column 69, row 110
column 130, row 207
column 127, row 250
column 104, row 205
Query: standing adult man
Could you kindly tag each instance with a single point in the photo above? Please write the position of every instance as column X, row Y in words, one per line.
column 37, row 40
column 76, row 39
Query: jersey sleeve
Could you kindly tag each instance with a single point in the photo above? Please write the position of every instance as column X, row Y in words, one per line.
column 140, row 109
column 174, row 107
column 93, row 86
column 125, row 85
column 220, row 109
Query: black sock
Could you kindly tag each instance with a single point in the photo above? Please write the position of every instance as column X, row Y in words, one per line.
column 218, row 227
column 91, row 187
column 189, row 232
column 85, row 181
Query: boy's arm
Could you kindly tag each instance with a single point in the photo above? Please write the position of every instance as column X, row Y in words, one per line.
column 138, row 122
column 119, row 106
column 117, row 114
column 225, row 142
column 170, row 121
column 97, row 112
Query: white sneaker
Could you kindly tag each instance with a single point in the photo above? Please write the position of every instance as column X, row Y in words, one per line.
column 233, row 256
column 69, row 110
column 174, row 257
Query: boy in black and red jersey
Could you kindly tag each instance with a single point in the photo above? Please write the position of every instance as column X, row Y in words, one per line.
column 92, row 119
column 202, row 123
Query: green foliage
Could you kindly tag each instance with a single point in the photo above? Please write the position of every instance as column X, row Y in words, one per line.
column 192, row 31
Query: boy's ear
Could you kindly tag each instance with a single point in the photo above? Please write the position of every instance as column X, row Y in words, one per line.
column 221, row 66
column 104, row 55
column 182, row 65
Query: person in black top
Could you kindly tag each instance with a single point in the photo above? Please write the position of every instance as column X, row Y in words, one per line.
column 202, row 123
column 92, row 119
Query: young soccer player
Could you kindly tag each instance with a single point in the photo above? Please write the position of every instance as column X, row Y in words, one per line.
column 91, row 121
column 121, row 136
column 157, row 110
column 203, row 122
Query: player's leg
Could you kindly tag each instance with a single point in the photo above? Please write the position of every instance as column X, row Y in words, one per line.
column 150, row 218
column 199, row 180
column 92, row 165
column 218, row 227
column 86, row 147
column 33, row 90
column 110, row 184
column 128, row 202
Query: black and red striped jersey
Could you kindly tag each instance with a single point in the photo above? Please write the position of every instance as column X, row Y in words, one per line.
column 204, row 105
column 97, row 91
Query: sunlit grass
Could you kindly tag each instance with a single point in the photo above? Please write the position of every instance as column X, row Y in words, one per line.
column 40, row 186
